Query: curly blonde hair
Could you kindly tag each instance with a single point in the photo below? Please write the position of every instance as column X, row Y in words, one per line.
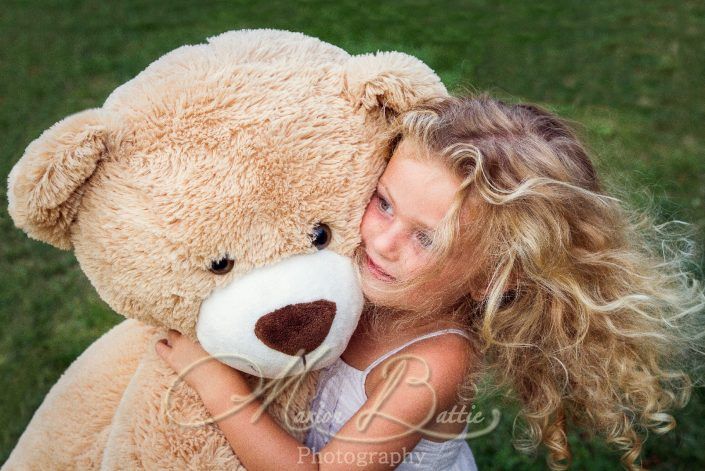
column 589, row 313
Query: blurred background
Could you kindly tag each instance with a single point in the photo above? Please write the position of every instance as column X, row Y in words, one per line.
column 630, row 74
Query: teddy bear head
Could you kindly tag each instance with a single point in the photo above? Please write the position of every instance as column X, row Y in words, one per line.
column 220, row 191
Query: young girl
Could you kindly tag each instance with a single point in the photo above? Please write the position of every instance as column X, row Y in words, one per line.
column 488, row 247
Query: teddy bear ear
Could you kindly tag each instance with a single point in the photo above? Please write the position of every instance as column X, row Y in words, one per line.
column 46, row 184
column 389, row 82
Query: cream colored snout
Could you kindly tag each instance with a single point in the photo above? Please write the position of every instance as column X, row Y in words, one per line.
column 283, row 319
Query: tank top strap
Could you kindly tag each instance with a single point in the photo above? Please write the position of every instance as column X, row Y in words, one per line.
column 414, row 340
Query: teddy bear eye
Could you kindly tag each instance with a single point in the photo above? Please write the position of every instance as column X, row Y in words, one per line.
column 222, row 266
column 321, row 236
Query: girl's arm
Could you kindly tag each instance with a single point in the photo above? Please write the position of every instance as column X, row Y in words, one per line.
column 378, row 434
column 262, row 445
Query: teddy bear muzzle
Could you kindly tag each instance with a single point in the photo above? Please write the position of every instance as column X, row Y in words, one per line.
column 287, row 318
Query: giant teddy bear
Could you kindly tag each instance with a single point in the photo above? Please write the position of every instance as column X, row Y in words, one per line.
column 218, row 193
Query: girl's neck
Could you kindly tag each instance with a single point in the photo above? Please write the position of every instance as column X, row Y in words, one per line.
column 374, row 320
column 368, row 343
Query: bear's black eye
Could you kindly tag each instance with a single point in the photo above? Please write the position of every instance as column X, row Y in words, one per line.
column 222, row 266
column 321, row 236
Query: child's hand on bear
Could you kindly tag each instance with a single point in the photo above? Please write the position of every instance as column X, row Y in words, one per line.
column 181, row 354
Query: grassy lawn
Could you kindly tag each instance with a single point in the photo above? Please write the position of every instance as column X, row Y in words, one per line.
column 630, row 72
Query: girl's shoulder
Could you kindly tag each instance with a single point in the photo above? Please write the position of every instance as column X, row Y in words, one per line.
column 442, row 361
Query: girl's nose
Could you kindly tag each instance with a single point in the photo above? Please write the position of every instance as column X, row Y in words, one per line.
column 386, row 242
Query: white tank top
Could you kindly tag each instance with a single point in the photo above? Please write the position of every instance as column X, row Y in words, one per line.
column 341, row 393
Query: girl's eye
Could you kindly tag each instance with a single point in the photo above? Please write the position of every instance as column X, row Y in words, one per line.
column 424, row 239
column 383, row 205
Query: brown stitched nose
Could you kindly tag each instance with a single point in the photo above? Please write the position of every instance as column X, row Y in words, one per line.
column 296, row 326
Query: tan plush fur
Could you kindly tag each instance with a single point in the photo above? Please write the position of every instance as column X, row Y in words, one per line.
column 237, row 147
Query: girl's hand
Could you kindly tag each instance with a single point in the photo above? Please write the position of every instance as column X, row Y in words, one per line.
column 180, row 353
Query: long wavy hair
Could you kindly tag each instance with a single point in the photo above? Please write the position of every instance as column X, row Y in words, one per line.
column 589, row 313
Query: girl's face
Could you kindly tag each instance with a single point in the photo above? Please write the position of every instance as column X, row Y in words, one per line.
column 397, row 228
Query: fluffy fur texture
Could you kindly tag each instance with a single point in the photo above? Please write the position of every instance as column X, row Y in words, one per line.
column 232, row 149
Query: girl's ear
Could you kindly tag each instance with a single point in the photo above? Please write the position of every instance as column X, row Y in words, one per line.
column 388, row 83
column 46, row 184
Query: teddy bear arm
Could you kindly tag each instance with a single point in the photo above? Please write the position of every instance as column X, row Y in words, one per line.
column 71, row 426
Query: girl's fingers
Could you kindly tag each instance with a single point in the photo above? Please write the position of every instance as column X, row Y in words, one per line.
column 173, row 335
column 162, row 348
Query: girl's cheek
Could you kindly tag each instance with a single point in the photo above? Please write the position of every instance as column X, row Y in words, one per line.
column 370, row 219
column 367, row 225
column 416, row 260
column 365, row 216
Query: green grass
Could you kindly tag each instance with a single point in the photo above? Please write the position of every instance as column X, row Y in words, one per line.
column 631, row 72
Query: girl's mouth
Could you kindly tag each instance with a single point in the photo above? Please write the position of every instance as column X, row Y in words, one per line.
column 376, row 271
